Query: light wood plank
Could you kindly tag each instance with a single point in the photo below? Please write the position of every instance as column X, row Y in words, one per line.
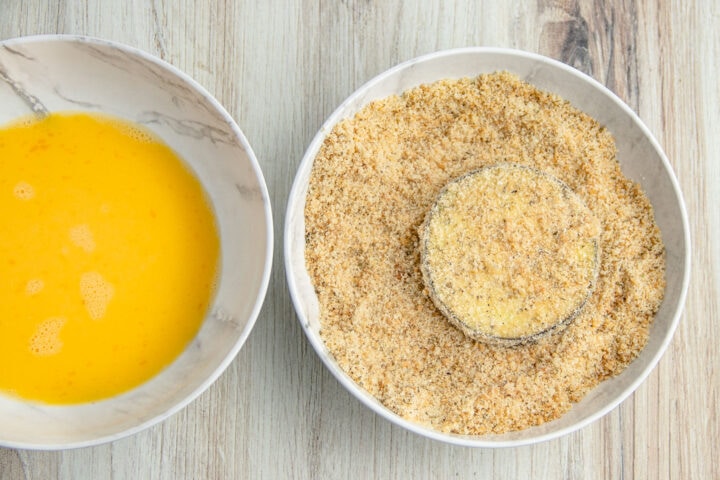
column 280, row 68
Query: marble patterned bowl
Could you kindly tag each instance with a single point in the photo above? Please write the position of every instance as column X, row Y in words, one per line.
column 61, row 73
column 642, row 160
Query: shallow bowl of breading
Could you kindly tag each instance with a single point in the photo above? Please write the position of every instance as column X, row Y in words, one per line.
column 641, row 158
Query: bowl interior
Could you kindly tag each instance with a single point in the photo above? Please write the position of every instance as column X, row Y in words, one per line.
column 640, row 156
column 64, row 73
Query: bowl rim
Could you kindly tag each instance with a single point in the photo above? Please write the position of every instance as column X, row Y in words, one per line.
column 267, row 215
column 305, row 165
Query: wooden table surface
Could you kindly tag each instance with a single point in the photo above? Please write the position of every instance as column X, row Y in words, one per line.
column 280, row 68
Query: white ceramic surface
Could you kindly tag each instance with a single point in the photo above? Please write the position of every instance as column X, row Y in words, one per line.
column 61, row 73
column 641, row 158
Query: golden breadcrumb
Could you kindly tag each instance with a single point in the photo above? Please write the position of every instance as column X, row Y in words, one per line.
column 372, row 184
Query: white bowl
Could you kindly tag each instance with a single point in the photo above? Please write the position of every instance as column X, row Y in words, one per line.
column 641, row 158
column 61, row 73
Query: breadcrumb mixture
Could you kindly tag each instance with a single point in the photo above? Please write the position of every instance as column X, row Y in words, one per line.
column 372, row 183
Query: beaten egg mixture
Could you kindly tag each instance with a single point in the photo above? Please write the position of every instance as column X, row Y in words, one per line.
column 108, row 257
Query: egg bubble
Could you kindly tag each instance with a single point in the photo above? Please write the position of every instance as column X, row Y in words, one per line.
column 24, row 191
column 96, row 293
column 34, row 286
column 136, row 132
column 82, row 237
column 46, row 339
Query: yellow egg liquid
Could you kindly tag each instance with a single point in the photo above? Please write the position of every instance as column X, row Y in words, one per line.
column 108, row 257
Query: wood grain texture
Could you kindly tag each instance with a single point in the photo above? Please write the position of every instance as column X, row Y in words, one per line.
column 280, row 68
